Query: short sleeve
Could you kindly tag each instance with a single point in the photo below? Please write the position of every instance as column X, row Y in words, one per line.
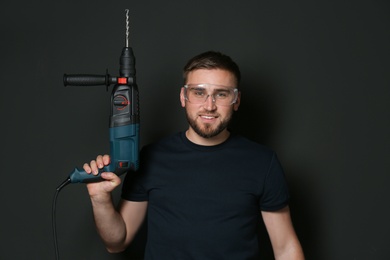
column 275, row 193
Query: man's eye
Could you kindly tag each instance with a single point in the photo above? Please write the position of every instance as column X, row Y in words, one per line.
column 198, row 92
column 222, row 94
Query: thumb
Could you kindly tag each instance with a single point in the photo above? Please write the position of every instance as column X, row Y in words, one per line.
column 111, row 178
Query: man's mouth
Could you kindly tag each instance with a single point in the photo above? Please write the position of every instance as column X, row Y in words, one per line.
column 208, row 117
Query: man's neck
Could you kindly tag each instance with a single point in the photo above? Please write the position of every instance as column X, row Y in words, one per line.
column 215, row 140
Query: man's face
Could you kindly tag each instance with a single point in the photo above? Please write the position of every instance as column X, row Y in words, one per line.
column 208, row 119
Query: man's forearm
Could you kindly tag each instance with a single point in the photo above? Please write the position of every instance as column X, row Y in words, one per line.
column 109, row 224
column 292, row 252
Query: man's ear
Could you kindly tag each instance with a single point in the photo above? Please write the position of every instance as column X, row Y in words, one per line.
column 182, row 98
column 238, row 101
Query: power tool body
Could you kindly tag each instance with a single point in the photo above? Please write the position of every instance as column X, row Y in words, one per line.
column 124, row 115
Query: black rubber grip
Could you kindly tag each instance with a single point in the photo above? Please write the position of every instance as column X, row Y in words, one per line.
column 86, row 80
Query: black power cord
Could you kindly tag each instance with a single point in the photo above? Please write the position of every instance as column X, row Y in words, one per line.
column 66, row 182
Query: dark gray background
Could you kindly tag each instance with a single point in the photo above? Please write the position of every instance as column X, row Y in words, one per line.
column 315, row 89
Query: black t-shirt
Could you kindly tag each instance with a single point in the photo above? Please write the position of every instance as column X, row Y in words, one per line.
column 204, row 202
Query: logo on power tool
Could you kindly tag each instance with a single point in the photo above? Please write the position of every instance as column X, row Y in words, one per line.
column 121, row 102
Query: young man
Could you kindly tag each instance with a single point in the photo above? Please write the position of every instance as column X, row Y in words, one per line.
column 204, row 190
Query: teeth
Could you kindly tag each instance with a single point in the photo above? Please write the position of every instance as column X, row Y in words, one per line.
column 208, row 117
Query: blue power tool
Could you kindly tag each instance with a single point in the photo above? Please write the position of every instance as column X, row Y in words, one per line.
column 124, row 117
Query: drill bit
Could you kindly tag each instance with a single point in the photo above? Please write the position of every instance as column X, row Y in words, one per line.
column 127, row 28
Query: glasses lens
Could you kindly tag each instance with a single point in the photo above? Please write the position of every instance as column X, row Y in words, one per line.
column 221, row 95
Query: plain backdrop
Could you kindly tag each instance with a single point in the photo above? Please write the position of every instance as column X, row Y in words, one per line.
column 315, row 88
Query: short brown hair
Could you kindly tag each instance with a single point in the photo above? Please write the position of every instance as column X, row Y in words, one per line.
column 212, row 60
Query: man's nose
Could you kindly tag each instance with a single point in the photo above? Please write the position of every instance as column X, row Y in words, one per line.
column 209, row 104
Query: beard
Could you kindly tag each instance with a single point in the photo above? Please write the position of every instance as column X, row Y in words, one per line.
column 207, row 130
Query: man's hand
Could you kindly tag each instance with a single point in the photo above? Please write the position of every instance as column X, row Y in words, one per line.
column 101, row 191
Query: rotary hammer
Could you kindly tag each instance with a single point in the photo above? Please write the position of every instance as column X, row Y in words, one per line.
column 124, row 115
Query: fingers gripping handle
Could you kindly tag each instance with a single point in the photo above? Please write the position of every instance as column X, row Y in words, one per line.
column 80, row 176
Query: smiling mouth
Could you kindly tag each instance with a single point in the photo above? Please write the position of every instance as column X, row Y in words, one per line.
column 208, row 117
